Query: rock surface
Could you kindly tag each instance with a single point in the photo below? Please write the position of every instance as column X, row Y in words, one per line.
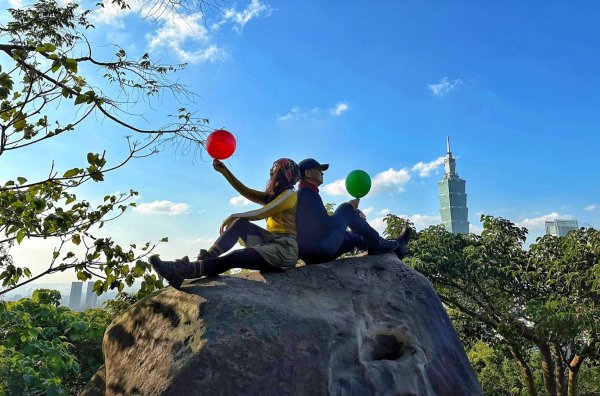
column 359, row 326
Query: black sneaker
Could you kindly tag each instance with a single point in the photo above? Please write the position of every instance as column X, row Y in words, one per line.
column 402, row 250
column 384, row 246
column 205, row 254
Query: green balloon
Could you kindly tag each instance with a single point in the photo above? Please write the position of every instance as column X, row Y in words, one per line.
column 358, row 183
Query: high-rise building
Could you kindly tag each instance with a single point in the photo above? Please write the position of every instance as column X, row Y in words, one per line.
column 453, row 198
column 560, row 227
column 91, row 298
column 75, row 297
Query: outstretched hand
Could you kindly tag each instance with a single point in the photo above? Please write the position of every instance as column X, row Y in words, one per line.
column 354, row 203
column 219, row 166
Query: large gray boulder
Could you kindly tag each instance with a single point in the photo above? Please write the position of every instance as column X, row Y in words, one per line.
column 359, row 326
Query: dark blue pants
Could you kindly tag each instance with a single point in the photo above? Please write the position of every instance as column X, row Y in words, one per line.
column 338, row 240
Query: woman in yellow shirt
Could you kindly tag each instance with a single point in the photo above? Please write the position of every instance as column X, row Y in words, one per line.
column 266, row 250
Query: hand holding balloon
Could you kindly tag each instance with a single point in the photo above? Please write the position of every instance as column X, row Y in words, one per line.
column 358, row 183
column 354, row 203
column 220, row 144
column 219, row 166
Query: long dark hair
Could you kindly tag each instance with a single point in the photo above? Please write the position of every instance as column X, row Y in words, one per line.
column 286, row 175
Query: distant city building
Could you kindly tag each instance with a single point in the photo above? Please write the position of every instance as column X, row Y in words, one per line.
column 560, row 227
column 91, row 299
column 75, row 297
column 453, row 199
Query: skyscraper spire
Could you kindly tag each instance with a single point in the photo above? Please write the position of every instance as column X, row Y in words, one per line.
column 449, row 163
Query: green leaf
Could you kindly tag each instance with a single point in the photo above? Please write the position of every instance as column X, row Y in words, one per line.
column 165, row 239
column 20, row 235
column 71, row 65
column 21, row 180
column 27, row 379
column 55, row 66
column 97, row 176
column 97, row 286
column 76, row 239
column 46, row 47
column 20, row 124
column 72, row 172
column 81, row 98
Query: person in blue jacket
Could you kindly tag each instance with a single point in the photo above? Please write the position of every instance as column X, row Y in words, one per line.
column 322, row 237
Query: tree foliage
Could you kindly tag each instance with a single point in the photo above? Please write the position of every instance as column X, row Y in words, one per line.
column 544, row 299
column 46, row 91
column 46, row 348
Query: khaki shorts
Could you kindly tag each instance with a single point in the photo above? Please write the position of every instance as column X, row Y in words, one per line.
column 279, row 250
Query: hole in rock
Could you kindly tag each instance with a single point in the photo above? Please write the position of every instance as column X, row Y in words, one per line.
column 386, row 347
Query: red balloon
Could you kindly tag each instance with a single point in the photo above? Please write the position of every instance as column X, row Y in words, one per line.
column 220, row 144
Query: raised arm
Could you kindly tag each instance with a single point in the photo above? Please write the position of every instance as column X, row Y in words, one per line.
column 256, row 196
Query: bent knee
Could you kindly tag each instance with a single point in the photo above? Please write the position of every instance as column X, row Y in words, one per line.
column 240, row 222
column 345, row 207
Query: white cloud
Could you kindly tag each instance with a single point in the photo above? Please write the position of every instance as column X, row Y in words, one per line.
column 16, row 4
column 182, row 32
column 240, row 201
column 368, row 211
column 425, row 168
column 296, row 114
column 538, row 223
column 423, row 221
column 390, row 179
column 339, row 109
column 473, row 229
column 337, row 187
column 162, row 207
column 383, row 212
column 176, row 33
column 241, row 18
column 591, row 208
column 420, row 221
column 112, row 14
column 378, row 224
column 444, row 86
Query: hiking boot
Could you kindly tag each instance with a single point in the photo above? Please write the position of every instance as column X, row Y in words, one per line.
column 402, row 240
column 174, row 271
column 206, row 254
column 384, row 246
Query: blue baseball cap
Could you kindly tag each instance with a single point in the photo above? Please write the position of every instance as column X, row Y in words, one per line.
column 310, row 163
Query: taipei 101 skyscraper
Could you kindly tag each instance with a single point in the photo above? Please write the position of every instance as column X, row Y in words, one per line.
column 453, row 199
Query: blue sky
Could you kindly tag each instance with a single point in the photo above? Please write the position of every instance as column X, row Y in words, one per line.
column 359, row 85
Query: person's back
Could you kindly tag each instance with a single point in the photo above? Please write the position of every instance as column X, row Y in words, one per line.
column 311, row 221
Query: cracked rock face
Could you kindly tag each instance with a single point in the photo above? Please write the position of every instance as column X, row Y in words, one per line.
column 359, row 326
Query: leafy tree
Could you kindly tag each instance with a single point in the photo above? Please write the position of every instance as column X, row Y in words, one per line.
column 46, row 348
column 497, row 372
column 395, row 225
column 45, row 92
column 544, row 300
